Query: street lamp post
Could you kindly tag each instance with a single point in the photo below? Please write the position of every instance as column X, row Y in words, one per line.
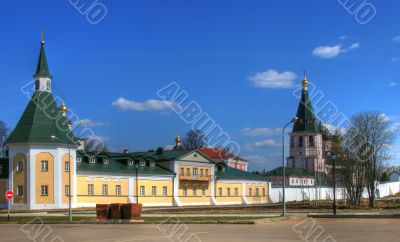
column 69, row 179
column 137, row 187
column 334, row 184
column 283, row 166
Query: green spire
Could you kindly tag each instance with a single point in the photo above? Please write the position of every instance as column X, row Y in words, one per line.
column 305, row 113
column 42, row 69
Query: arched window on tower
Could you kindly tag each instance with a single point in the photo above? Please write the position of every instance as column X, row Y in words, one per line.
column 311, row 141
column 48, row 85
column 37, row 85
column 300, row 141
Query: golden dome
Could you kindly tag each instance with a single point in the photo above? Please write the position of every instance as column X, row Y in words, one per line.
column 63, row 109
column 304, row 83
column 178, row 139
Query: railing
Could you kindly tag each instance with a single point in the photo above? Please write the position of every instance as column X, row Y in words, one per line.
column 194, row 177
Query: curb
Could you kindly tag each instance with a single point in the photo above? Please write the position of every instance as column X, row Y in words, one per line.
column 354, row 215
column 131, row 223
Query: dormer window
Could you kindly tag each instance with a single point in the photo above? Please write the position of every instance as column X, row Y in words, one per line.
column 142, row 163
column 79, row 159
column 130, row 163
column 37, row 85
column 152, row 164
column 106, row 161
column 92, row 160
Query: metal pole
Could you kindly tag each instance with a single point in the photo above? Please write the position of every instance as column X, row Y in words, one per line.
column 9, row 205
column 334, row 187
column 137, row 194
column 283, row 167
column 284, row 175
column 69, row 185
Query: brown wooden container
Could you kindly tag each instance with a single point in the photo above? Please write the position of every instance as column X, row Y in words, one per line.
column 102, row 212
column 115, row 211
column 132, row 211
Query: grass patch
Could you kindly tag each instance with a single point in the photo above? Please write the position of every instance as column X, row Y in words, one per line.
column 146, row 219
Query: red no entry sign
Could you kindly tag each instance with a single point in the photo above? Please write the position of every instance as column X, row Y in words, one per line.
column 9, row 195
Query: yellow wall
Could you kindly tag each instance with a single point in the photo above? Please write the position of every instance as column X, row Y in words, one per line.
column 44, row 178
column 65, row 176
column 225, row 197
column 3, row 190
column 190, row 198
column 19, row 179
column 254, row 198
column 148, row 198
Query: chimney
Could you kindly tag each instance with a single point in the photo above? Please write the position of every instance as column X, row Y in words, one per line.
column 126, row 151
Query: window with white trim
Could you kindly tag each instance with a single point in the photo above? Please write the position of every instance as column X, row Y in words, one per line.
column 44, row 164
column 130, row 163
column 92, row 160
column 250, row 191
column 182, row 171
column 188, row 171
column 104, row 190
column 185, row 187
column 106, row 161
column 201, row 172
column 206, row 172
column 66, row 166
column 20, row 166
column 20, row 191
column 66, row 190
column 228, row 192
column 142, row 191
column 263, row 192
column 194, row 190
column 236, row 192
column 44, row 190
column 203, row 190
column 90, row 189
column 154, row 191
column 220, row 192
column 142, row 163
column 117, row 190
column 165, row 191
column 195, row 170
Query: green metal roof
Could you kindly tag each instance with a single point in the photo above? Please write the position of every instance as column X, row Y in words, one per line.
column 42, row 69
column 288, row 172
column 235, row 174
column 41, row 120
column 118, row 164
column 305, row 114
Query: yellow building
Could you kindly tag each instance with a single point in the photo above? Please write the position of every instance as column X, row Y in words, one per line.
column 46, row 166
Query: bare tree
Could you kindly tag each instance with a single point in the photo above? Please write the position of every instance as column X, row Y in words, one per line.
column 3, row 136
column 194, row 139
column 370, row 137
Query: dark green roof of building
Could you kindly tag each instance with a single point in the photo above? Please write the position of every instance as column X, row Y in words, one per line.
column 288, row 172
column 229, row 173
column 306, row 119
column 41, row 120
column 42, row 69
column 118, row 163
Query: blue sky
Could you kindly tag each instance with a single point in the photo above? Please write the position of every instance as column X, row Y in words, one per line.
column 240, row 60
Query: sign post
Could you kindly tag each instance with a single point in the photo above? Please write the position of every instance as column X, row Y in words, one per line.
column 9, row 196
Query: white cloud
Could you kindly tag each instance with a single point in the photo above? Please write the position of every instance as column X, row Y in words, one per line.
column 89, row 123
column 354, row 46
column 396, row 39
column 392, row 84
column 149, row 105
column 327, row 52
column 273, row 79
column 394, row 59
column 259, row 131
column 343, row 37
column 262, row 144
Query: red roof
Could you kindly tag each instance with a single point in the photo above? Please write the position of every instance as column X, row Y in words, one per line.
column 215, row 153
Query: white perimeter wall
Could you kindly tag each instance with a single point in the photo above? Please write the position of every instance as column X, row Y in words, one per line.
column 300, row 194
